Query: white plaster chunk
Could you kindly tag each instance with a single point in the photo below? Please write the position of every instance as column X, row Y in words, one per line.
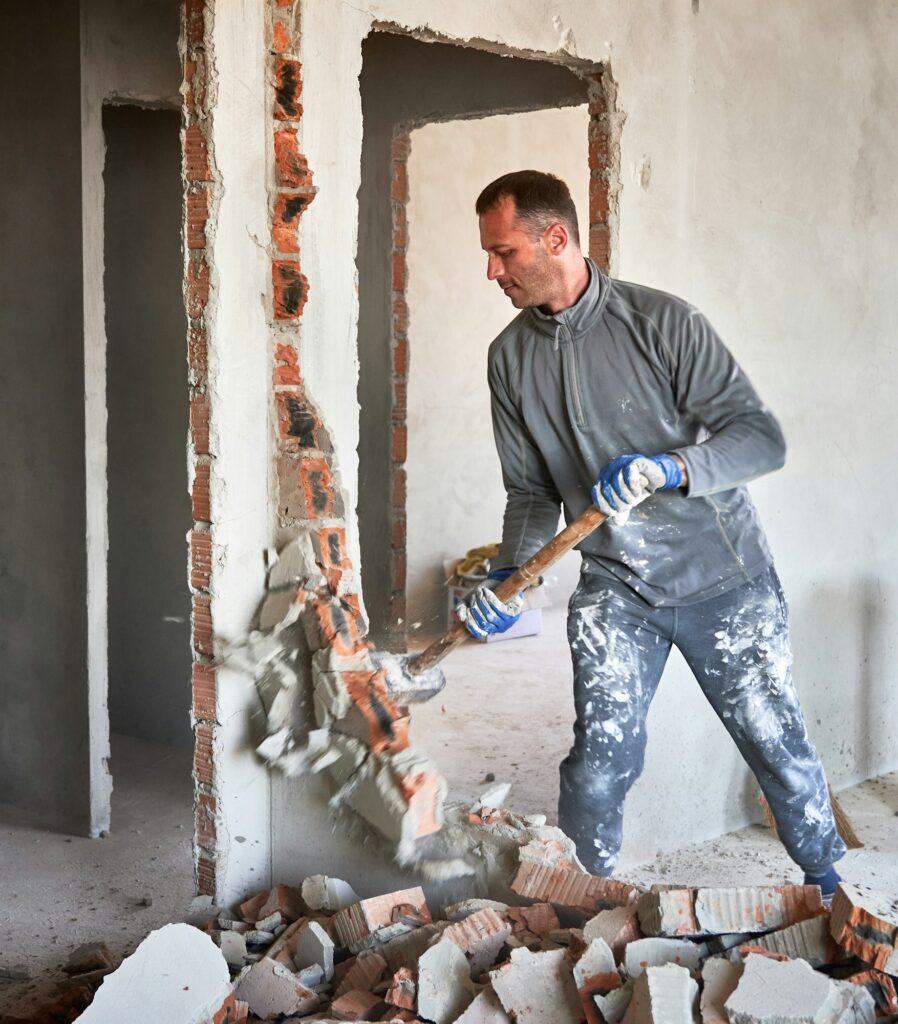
column 233, row 947
column 719, row 980
column 176, row 974
column 278, row 604
column 332, row 692
column 485, row 1009
column 614, row 1005
column 644, row 953
column 314, row 946
column 295, row 563
column 784, row 992
column 807, row 940
column 664, row 995
column 495, row 796
column 856, row 1004
column 270, row 988
column 445, row 988
column 331, row 894
column 351, row 753
column 596, row 959
column 536, row 988
column 607, row 924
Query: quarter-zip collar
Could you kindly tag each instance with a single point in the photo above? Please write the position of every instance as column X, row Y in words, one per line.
column 579, row 318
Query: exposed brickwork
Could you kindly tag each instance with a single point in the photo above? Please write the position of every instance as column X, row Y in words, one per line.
column 199, row 207
column 399, row 195
column 600, row 146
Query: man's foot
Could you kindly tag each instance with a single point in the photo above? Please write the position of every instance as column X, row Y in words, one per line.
column 827, row 882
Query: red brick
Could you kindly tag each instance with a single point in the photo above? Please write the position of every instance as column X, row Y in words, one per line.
column 199, row 495
column 400, row 318
column 231, row 1011
column 400, row 226
column 205, row 876
column 399, row 183
column 332, row 547
column 280, row 38
column 193, row 21
column 204, row 692
column 197, row 215
column 338, row 626
column 285, row 3
column 600, row 245
column 598, row 201
column 199, row 424
column 205, row 821
column 286, row 368
column 196, row 352
column 290, row 289
column 398, row 570
column 398, row 533
column 201, row 620
column 400, row 401
column 400, row 358
column 291, row 168
column 291, row 493
column 399, row 272
column 287, row 90
column 285, row 226
column 200, row 559
column 196, row 155
column 203, row 764
column 318, row 485
column 400, row 442
column 298, row 425
column 399, row 489
column 195, row 83
column 387, row 726
column 197, row 288
column 397, row 612
column 400, row 147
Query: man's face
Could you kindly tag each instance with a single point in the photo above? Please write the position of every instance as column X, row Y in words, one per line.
column 518, row 262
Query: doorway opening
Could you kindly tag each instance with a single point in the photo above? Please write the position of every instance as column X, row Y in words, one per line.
column 149, row 656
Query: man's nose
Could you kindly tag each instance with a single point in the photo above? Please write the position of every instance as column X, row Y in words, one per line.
column 493, row 267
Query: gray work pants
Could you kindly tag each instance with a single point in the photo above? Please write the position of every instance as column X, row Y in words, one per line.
column 737, row 645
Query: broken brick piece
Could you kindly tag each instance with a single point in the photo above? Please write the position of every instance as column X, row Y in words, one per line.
column 91, row 956
column 617, row 926
column 865, row 922
column 357, row 1005
column 365, row 971
column 719, row 980
column 755, row 908
column 356, row 924
column 250, row 909
column 571, row 888
column 807, row 940
column 529, row 925
column 664, row 995
column 403, row 989
column 668, row 912
column 537, row 987
column 480, row 937
column 882, row 989
column 285, row 900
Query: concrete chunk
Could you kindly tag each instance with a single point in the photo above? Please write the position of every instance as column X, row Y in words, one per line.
column 445, row 989
column 664, row 995
column 176, row 974
column 865, row 922
column 486, row 1009
column 233, row 947
column 719, row 980
column 270, row 988
column 645, row 953
column 535, row 988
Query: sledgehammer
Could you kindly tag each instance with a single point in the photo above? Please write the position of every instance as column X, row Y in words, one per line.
column 417, row 680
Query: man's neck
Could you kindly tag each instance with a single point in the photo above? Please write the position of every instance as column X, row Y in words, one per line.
column 573, row 288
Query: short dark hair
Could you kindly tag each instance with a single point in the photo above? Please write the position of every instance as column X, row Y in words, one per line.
column 540, row 200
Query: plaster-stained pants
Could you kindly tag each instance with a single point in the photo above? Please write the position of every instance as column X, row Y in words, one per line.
column 737, row 645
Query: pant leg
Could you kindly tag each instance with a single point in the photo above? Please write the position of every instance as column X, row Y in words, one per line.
column 618, row 655
column 739, row 649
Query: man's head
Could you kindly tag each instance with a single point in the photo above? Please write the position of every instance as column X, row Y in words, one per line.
column 528, row 229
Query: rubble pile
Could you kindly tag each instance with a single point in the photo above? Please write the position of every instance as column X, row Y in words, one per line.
column 560, row 947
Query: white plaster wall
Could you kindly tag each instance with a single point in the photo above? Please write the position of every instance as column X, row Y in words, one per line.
column 128, row 54
column 239, row 382
column 770, row 205
column 455, row 495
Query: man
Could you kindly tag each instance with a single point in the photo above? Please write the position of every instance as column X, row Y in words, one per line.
column 613, row 393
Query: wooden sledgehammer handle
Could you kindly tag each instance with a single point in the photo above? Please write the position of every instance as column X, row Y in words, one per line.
column 522, row 579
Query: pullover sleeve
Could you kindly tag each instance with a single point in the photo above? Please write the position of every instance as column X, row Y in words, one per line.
column 532, row 505
column 745, row 439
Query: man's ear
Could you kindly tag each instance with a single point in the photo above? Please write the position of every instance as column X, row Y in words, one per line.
column 556, row 239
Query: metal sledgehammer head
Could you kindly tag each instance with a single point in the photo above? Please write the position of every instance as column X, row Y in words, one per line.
column 404, row 687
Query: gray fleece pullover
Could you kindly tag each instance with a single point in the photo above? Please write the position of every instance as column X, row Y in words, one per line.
column 632, row 370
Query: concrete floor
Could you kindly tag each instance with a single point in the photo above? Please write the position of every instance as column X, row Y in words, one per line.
column 58, row 891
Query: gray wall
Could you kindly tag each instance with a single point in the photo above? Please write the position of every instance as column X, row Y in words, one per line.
column 404, row 80
column 149, row 509
column 43, row 656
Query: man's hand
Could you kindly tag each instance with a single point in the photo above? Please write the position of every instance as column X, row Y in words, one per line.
column 629, row 479
column 483, row 613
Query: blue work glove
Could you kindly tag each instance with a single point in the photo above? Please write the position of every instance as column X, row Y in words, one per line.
column 629, row 479
column 483, row 613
